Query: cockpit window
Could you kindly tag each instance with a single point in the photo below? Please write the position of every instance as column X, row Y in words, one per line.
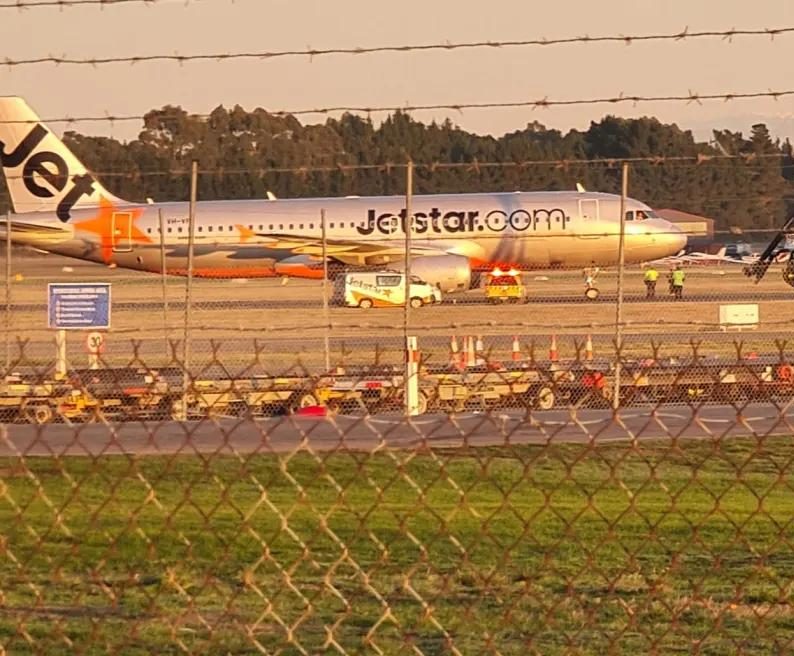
column 630, row 215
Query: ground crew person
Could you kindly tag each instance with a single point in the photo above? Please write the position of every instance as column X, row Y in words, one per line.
column 677, row 278
column 651, row 276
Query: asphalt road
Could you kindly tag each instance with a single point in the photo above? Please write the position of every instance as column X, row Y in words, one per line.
column 285, row 434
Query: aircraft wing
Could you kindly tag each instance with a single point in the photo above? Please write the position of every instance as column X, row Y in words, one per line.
column 705, row 258
column 347, row 251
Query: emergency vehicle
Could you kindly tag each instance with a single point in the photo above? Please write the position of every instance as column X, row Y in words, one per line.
column 383, row 289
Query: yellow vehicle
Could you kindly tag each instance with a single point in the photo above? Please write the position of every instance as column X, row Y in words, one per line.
column 505, row 287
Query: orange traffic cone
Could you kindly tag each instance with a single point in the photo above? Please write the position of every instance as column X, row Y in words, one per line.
column 553, row 354
column 588, row 348
column 516, row 350
column 480, row 347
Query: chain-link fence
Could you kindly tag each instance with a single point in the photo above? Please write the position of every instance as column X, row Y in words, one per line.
column 561, row 482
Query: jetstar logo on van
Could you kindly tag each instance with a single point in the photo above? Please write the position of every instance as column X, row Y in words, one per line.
column 461, row 221
column 49, row 168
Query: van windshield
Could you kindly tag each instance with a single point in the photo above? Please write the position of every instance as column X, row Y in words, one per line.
column 388, row 281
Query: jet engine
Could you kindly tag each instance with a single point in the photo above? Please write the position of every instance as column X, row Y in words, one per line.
column 450, row 273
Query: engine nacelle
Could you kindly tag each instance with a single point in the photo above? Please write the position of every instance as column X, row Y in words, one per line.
column 450, row 273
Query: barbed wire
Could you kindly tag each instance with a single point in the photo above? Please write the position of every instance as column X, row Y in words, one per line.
column 543, row 103
column 387, row 167
column 23, row 5
column 312, row 53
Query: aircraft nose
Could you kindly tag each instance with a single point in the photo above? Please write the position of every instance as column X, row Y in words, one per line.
column 670, row 237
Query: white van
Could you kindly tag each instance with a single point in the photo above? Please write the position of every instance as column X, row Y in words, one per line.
column 383, row 289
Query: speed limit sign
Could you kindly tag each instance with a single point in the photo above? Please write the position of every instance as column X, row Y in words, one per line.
column 95, row 343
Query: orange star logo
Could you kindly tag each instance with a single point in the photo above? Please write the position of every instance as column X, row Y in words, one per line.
column 115, row 228
column 245, row 233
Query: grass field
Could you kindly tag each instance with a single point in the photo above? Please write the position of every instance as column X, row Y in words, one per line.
column 673, row 547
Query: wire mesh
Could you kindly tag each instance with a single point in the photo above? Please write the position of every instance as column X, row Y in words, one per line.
column 272, row 496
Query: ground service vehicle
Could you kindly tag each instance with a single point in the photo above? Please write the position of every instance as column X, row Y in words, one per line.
column 505, row 287
column 368, row 289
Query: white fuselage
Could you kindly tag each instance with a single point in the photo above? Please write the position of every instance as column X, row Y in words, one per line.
column 270, row 237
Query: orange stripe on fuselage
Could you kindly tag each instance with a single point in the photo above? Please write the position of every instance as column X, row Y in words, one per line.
column 294, row 271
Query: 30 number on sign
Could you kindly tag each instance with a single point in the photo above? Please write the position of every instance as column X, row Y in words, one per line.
column 95, row 343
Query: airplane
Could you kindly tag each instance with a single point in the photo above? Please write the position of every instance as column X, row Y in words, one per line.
column 736, row 253
column 60, row 207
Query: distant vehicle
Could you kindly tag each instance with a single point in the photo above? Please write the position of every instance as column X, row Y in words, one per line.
column 505, row 287
column 368, row 289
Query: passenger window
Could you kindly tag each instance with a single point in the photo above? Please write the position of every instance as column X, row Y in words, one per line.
column 388, row 281
column 629, row 216
column 209, row 228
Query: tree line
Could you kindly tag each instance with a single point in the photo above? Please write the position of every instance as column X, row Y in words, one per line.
column 241, row 155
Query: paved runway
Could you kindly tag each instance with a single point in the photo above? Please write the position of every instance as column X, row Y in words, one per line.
column 368, row 433
column 451, row 299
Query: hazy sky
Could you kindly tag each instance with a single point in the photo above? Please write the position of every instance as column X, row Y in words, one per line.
column 527, row 73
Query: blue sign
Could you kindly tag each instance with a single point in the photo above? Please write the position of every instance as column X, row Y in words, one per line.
column 75, row 305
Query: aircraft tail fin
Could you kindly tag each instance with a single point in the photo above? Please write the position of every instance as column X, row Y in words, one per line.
column 42, row 174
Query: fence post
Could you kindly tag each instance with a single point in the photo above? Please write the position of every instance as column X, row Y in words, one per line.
column 411, row 376
column 326, row 317
column 163, row 276
column 411, row 371
column 621, row 265
column 8, row 294
column 188, row 290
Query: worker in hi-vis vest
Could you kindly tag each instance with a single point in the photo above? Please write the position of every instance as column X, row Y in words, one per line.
column 650, row 278
column 677, row 277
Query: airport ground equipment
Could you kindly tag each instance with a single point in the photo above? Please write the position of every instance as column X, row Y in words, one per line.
column 129, row 394
column 505, row 287
column 771, row 253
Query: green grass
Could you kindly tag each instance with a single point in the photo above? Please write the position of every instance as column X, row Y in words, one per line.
column 665, row 547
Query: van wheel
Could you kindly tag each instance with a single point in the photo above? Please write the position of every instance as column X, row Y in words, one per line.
column 416, row 302
column 365, row 303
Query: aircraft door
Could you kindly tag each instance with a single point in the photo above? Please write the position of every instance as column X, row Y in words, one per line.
column 588, row 210
column 122, row 232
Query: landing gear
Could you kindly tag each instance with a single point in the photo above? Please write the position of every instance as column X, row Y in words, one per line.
column 590, row 288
